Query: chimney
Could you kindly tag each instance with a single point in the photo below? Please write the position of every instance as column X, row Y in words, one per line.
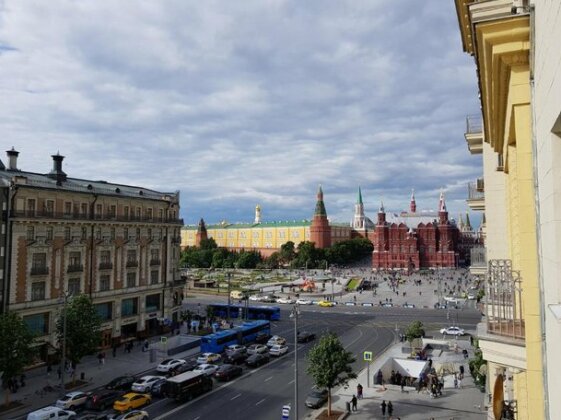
column 57, row 172
column 13, row 159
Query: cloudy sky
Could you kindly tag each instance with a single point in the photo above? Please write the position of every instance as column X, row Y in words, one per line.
column 235, row 103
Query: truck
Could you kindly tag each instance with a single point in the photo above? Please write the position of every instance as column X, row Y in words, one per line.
column 187, row 386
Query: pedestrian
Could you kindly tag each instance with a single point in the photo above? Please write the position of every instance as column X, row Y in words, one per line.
column 461, row 371
column 459, row 383
column 390, row 408
column 102, row 357
column 99, row 357
column 383, row 407
column 353, row 402
column 359, row 391
column 403, row 384
column 49, row 369
column 114, row 350
column 455, row 381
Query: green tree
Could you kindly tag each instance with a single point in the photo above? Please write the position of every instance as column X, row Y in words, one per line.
column 16, row 348
column 209, row 243
column 414, row 330
column 330, row 365
column 83, row 328
column 287, row 252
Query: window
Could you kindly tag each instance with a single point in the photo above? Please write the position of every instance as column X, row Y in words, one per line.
column 31, row 207
column 131, row 279
column 137, row 234
column 152, row 303
column 74, row 287
column 138, row 212
column 74, row 261
column 38, row 323
column 129, row 307
column 67, row 233
column 84, row 209
column 112, row 210
column 98, row 211
column 84, row 233
column 30, row 233
column 49, row 207
column 105, row 311
column 154, row 254
column 49, row 233
column 161, row 215
column 98, row 234
column 150, row 233
column 39, row 263
column 126, row 212
column 131, row 258
column 38, row 290
column 112, row 233
column 154, row 277
column 105, row 257
column 126, row 234
column 104, row 282
column 68, row 208
column 149, row 214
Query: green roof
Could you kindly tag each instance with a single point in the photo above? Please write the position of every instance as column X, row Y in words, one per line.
column 263, row 225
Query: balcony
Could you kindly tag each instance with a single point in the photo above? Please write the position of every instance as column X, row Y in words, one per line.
column 39, row 270
column 45, row 214
column 476, row 195
column 155, row 262
column 75, row 268
column 474, row 134
column 105, row 265
column 132, row 263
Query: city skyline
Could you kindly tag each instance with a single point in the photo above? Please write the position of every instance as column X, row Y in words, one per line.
column 237, row 105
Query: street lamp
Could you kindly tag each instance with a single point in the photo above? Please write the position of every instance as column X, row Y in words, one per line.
column 295, row 314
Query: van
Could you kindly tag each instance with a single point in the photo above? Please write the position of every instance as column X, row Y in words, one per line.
column 187, row 385
column 51, row 413
column 236, row 294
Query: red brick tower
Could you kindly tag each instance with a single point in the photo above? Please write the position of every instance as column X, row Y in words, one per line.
column 446, row 252
column 320, row 231
column 201, row 233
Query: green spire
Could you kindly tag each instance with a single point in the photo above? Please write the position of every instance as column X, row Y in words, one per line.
column 320, row 207
column 468, row 224
column 359, row 198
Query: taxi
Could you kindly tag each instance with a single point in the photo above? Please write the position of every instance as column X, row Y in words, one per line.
column 131, row 401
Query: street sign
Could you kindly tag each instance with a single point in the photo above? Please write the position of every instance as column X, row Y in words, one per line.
column 286, row 412
column 368, row 356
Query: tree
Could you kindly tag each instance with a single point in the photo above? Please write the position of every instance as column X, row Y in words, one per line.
column 83, row 328
column 414, row 330
column 16, row 348
column 330, row 365
column 287, row 252
column 209, row 243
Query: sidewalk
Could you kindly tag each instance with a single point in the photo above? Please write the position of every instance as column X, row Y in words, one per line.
column 33, row 397
column 465, row 403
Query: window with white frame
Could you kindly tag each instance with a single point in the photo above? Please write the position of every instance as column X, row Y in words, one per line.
column 38, row 290
column 154, row 277
column 131, row 279
column 74, row 286
column 104, row 282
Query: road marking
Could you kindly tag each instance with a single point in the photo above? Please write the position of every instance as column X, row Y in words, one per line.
column 233, row 398
column 268, row 379
column 291, row 382
column 197, row 418
column 259, row 402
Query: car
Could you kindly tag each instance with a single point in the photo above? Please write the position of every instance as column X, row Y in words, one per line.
column 325, row 304
column 235, row 348
column 257, row 359
column 227, row 372
column 206, row 369
column 145, row 383
column 101, row 400
column 255, row 298
column 305, row 336
column 387, row 305
column 257, row 349
column 132, row 415
column 285, row 300
column 408, row 305
column 92, row 416
column 72, row 400
column 185, row 367
column 275, row 339
column 236, row 358
column 471, row 296
column 278, row 350
column 350, row 303
column 158, row 388
column 131, row 401
column 208, row 358
column 304, row 302
column 51, row 412
column 316, row 398
column 121, row 383
column 453, row 300
column 262, row 337
column 452, row 331
column 168, row 364
column 439, row 305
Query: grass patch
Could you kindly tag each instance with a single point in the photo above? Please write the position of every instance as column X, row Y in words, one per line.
column 353, row 284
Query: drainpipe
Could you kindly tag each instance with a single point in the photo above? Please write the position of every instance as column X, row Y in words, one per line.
column 92, row 207
column 12, row 191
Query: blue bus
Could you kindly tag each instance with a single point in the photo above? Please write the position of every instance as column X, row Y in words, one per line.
column 243, row 334
column 270, row 313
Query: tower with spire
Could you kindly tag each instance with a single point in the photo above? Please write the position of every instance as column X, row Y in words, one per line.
column 320, row 231
column 257, row 219
column 413, row 203
column 201, row 233
column 359, row 218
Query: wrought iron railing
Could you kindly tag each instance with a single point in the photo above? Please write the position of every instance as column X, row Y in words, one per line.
column 478, row 256
column 476, row 190
column 474, row 124
column 46, row 214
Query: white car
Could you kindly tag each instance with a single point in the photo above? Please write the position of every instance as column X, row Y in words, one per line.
column 206, row 369
column 257, row 349
column 285, row 300
column 452, row 331
column 278, row 350
column 408, row 305
column 255, row 298
column 170, row 364
column 275, row 339
column 144, row 384
column 72, row 400
column 235, row 348
column 51, row 412
column 304, row 302
column 131, row 415
column 208, row 358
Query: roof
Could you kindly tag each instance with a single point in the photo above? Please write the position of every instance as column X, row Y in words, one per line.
column 262, row 225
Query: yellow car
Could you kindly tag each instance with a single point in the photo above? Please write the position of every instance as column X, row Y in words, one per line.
column 130, row 401
column 325, row 304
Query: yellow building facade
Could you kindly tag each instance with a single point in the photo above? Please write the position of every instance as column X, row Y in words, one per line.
column 497, row 34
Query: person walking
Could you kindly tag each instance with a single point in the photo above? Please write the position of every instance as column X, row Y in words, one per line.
column 390, row 408
column 383, row 407
column 359, row 391
column 353, row 402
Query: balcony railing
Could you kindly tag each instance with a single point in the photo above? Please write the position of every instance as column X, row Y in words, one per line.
column 105, row 265
column 504, row 300
column 155, row 261
column 39, row 270
column 474, row 124
column 478, row 256
column 75, row 268
column 132, row 263
column 44, row 214
column 476, row 190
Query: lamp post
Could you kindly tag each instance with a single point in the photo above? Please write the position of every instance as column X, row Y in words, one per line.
column 228, row 309
column 295, row 313
column 63, row 356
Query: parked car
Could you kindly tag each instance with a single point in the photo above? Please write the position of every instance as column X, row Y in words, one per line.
column 206, row 369
column 235, row 348
column 208, row 358
column 227, row 372
column 51, row 413
column 325, row 304
column 158, row 388
column 145, row 383
column 408, row 305
column 185, row 367
column 305, row 336
column 72, row 400
column 285, row 301
column 101, row 400
column 236, row 358
column 132, row 415
column 257, row 349
column 452, row 331
column 168, row 364
column 121, row 383
column 439, row 305
column 387, row 305
column 316, row 398
column 131, row 401
column 255, row 298
column 278, row 350
column 304, row 302
column 275, row 339
column 257, row 359
column 93, row 416
column 262, row 337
